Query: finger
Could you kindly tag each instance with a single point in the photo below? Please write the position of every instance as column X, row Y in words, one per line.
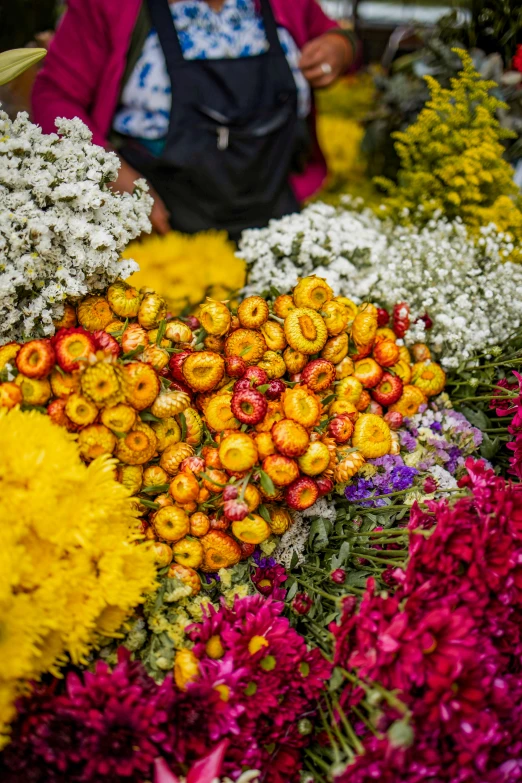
column 318, row 78
column 160, row 218
column 312, row 54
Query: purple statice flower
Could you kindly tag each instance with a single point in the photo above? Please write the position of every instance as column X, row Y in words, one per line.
column 392, row 475
column 408, row 441
column 436, row 426
column 263, row 562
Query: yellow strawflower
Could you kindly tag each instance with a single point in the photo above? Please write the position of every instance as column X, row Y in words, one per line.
column 70, row 565
column 451, row 158
column 185, row 269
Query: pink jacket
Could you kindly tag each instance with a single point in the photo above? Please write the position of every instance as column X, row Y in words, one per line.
column 83, row 70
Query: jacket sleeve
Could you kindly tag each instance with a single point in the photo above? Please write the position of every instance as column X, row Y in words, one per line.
column 67, row 83
column 317, row 21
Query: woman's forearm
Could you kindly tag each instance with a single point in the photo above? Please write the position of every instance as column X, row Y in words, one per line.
column 66, row 85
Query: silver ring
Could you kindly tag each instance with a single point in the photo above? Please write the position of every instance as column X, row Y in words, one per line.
column 326, row 68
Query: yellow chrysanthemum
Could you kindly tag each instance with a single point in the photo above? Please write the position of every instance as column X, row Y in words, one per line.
column 69, row 559
column 184, row 269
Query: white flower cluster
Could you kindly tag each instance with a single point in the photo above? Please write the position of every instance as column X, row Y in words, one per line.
column 294, row 540
column 321, row 240
column 472, row 296
column 62, row 229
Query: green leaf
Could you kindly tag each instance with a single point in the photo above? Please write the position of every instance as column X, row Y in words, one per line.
column 342, row 556
column 161, row 331
column 157, row 489
column 16, row 61
column 329, row 399
column 263, row 512
column 489, row 447
column 183, row 423
column 148, row 416
column 319, row 532
column 476, row 417
column 292, row 590
column 267, row 483
column 149, row 503
column 132, row 354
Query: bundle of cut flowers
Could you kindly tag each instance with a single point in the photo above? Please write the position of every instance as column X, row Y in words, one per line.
column 71, row 569
column 429, row 668
column 62, row 229
column 249, row 678
column 438, row 240
column 224, row 424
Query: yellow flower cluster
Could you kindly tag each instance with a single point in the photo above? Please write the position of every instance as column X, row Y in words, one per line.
column 184, row 269
column 451, row 157
column 340, row 139
column 70, row 566
column 341, row 109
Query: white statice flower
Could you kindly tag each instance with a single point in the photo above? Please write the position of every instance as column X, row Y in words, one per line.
column 322, row 240
column 321, row 508
column 443, row 478
column 62, row 229
column 294, row 540
column 472, row 295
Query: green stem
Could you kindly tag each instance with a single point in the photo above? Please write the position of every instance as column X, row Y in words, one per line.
column 378, row 560
column 318, row 590
column 349, row 728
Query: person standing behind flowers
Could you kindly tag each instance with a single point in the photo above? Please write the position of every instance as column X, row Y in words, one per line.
column 210, row 100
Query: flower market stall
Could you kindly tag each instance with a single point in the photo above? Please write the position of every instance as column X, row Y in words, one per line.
column 267, row 525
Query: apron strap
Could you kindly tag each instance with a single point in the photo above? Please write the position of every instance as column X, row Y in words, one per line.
column 163, row 23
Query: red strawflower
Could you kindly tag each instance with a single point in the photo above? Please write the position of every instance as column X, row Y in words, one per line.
column 106, row 342
column 176, row 365
column 248, row 405
column 383, row 316
column 235, row 510
column 275, row 389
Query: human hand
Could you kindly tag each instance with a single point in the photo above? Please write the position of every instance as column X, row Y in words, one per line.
column 127, row 176
column 325, row 58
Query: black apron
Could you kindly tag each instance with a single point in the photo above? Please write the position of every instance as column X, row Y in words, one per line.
column 232, row 135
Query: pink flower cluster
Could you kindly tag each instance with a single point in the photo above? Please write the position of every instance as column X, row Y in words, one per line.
column 506, row 406
column 447, row 643
column 102, row 726
column 271, row 682
column 258, row 686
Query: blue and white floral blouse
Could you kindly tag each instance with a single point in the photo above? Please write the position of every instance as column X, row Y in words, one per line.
column 234, row 31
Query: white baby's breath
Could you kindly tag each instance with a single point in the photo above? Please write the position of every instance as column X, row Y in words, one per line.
column 62, row 229
column 473, row 297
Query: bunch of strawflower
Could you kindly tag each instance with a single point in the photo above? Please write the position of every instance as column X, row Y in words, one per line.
column 62, row 229
column 473, row 298
column 439, row 660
